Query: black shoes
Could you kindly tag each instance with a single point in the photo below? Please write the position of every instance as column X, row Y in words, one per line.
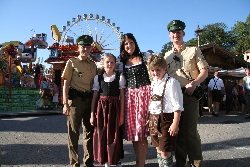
column 214, row 114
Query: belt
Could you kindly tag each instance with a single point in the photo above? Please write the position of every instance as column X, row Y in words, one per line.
column 84, row 94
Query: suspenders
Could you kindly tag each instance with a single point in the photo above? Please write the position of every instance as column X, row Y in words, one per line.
column 215, row 84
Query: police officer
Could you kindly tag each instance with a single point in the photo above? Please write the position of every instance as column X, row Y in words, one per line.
column 78, row 78
column 189, row 67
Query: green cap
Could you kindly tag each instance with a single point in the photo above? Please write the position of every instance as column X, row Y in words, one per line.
column 176, row 25
column 84, row 40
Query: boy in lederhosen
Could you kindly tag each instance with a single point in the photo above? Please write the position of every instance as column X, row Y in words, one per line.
column 165, row 110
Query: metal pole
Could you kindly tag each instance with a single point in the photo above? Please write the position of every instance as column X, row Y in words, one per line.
column 9, row 84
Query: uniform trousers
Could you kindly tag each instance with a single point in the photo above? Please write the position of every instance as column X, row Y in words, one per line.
column 188, row 141
column 247, row 97
column 80, row 114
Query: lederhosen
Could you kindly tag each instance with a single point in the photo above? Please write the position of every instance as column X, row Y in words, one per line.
column 159, row 125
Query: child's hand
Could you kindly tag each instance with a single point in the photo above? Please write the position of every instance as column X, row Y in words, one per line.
column 92, row 120
column 173, row 130
column 121, row 120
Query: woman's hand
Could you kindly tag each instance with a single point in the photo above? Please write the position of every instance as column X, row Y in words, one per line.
column 66, row 109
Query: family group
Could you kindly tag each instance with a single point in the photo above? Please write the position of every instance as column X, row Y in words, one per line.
column 156, row 98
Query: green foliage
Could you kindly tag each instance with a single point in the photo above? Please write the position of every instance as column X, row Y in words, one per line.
column 241, row 33
column 192, row 42
column 168, row 46
column 217, row 33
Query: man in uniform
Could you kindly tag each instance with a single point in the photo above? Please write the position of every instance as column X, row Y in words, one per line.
column 189, row 67
column 216, row 88
column 78, row 78
column 246, row 88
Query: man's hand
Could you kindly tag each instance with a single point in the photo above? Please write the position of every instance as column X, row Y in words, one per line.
column 190, row 88
column 66, row 109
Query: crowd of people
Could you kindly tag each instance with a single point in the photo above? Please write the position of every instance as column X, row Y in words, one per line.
column 229, row 94
column 49, row 93
column 159, row 98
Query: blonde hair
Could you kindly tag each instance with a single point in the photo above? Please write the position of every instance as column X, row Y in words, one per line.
column 157, row 60
column 106, row 55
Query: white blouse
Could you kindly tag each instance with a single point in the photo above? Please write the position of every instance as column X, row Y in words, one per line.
column 173, row 97
column 122, row 82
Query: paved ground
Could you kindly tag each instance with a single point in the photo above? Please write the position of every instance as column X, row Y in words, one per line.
column 40, row 139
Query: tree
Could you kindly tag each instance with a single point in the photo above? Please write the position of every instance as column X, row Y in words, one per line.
column 168, row 46
column 241, row 33
column 217, row 33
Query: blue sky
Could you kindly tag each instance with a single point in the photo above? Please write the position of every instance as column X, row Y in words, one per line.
column 146, row 19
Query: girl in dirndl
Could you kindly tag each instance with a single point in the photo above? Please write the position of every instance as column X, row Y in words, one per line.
column 137, row 96
column 108, row 116
column 165, row 110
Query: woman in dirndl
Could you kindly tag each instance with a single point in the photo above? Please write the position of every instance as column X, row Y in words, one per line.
column 137, row 96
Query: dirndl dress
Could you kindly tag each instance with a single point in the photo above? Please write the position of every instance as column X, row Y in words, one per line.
column 137, row 100
column 107, row 136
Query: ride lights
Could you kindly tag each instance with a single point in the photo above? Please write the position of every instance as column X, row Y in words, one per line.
column 85, row 16
column 79, row 17
column 63, row 28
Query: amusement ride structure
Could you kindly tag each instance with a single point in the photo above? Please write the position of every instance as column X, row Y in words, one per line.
column 106, row 39
column 105, row 34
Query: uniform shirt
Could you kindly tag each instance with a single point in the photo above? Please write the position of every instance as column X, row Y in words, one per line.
column 173, row 97
column 80, row 73
column 122, row 82
column 215, row 83
column 191, row 61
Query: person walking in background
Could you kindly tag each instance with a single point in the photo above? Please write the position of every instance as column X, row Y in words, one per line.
column 189, row 67
column 137, row 96
column 241, row 98
column 246, row 87
column 36, row 75
column 45, row 93
column 78, row 76
column 203, row 98
column 229, row 96
column 108, row 115
column 165, row 110
column 55, row 94
column 216, row 89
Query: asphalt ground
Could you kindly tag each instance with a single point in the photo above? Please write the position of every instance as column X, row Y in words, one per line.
column 39, row 139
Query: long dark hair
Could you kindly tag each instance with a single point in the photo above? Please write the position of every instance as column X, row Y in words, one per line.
column 123, row 54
